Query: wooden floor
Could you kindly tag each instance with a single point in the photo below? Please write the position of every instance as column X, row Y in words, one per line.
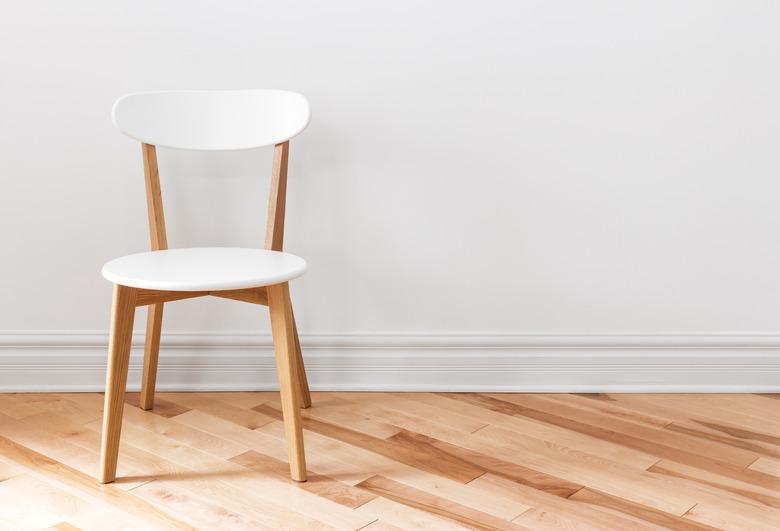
column 381, row 461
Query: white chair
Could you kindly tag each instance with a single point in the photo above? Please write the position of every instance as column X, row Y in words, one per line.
column 206, row 120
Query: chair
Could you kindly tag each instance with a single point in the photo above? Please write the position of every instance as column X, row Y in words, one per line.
column 206, row 120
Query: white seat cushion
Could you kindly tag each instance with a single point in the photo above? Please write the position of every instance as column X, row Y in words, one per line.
column 204, row 268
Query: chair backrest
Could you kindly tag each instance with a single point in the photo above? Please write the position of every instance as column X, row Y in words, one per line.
column 212, row 119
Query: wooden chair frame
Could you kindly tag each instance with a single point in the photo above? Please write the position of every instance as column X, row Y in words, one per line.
column 293, row 384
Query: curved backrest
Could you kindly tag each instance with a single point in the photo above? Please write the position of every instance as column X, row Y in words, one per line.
column 212, row 119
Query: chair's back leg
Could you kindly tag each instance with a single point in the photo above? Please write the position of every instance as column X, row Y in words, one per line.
column 159, row 241
column 122, row 314
column 151, row 354
column 274, row 240
column 304, row 397
column 287, row 367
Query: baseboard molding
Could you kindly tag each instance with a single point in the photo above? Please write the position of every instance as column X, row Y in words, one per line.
column 75, row 361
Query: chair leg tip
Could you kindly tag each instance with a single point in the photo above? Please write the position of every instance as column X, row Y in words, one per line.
column 146, row 404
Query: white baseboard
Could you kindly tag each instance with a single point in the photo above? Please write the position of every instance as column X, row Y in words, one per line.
column 75, row 361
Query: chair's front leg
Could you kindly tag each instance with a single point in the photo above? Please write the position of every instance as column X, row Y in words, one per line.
column 286, row 366
column 122, row 314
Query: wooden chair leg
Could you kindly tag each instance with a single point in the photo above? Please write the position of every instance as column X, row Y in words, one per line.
column 122, row 314
column 304, row 397
column 287, row 367
column 151, row 353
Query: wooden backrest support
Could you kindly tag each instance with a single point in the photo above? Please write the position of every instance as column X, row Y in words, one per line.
column 213, row 120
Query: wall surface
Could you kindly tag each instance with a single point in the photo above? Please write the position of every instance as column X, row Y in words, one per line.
column 534, row 168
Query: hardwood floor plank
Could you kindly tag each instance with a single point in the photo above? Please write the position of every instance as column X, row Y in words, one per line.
column 247, row 418
column 716, row 505
column 541, row 431
column 63, row 526
column 693, row 406
column 753, row 405
column 408, row 422
column 15, row 406
column 600, row 499
column 452, row 468
column 171, row 428
column 162, row 407
column 740, row 433
column 774, row 396
column 59, row 405
column 43, row 432
column 379, row 525
column 35, row 494
column 553, row 512
column 205, row 471
column 352, row 418
column 757, row 443
column 767, row 466
column 397, row 461
column 706, row 424
column 320, row 485
column 763, row 491
column 408, row 403
column 270, row 440
column 243, row 499
column 405, row 517
column 200, row 512
column 244, row 400
column 465, row 494
column 487, row 463
column 8, row 470
column 417, row 499
column 66, row 476
column 724, row 516
column 580, row 468
column 20, row 513
column 606, row 405
column 661, row 443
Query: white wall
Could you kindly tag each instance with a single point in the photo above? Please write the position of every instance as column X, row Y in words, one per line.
column 535, row 167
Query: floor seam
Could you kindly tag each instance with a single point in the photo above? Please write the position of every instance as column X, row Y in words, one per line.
column 368, row 524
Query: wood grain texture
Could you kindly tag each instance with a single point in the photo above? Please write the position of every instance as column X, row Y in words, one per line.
column 304, row 395
column 154, row 202
column 449, row 467
column 220, row 460
column 433, row 504
column 274, row 227
column 151, row 354
column 320, row 485
column 274, row 241
column 251, row 295
column 158, row 238
column 153, row 296
column 66, row 477
column 120, row 337
column 599, row 499
column 287, row 368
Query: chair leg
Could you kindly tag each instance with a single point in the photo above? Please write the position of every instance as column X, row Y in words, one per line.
column 122, row 314
column 304, row 397
column 151, row 353
column 287, row 367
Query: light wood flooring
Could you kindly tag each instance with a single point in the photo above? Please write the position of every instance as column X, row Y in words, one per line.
column 383, row 461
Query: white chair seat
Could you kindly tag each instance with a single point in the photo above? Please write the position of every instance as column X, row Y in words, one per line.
column 204, row 269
